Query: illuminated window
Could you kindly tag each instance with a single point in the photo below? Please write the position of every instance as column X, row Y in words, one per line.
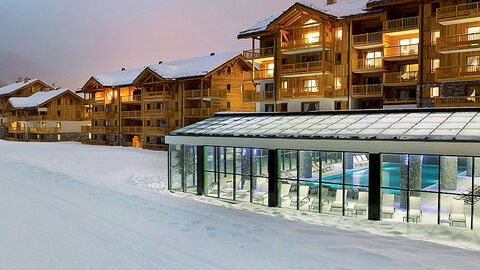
column 310, row 85
column 409, row 71
column 339, row 33
column 409, row 46
column 435, row 36
column 59, row 125
column 473, row 33
column 270, row 68
column 311, row 21
column 434, row 91
column 435, row 64
column 373, row 59
column 338, row 83
column 473, row 63
column 285, row 84
column 59, row 137
column 312, row 37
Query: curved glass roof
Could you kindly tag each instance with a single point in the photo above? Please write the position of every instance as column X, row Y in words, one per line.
column 438, row 125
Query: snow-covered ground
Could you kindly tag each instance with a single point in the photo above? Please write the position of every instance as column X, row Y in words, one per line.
column 72, row 206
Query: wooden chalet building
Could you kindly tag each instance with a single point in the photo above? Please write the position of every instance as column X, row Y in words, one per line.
column 362, row 54
column 138, row 107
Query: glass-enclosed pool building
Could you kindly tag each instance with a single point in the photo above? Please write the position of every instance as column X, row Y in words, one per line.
column 417, row 165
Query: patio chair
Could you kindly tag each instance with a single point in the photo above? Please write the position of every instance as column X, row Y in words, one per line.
column 314, row 205
column 243, row 191
column 262, row 194
column 338, row 203
column 327, row 168
column 414, row 213
column 387, row 204
column 365, row 160
column 457, row 213
column 357, row 160
column 302, row 196
column 362, row 203
column 285, row 192
column 315, row 166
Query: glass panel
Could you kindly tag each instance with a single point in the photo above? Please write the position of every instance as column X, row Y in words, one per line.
column 423, row 172
column 394, row 204
column 303, row 199
column 190, row 168
column 335, row 197
column 456, row 174
column 356, row 169
column 455, row 210
column 260, row 191
column 423, row 207
column 308, row 162
column 243, row 188
column 176, row 168
column 226, row 159
column 287, row 167
column 476, row 174
column 332, row 167
column 260, row 162
column 356, row 201
column 209, row 153
column 394, row 171
column 226, row 185
column 242, row 161
column 211, row 183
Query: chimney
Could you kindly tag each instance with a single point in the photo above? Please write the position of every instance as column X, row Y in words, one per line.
column 212, row 54
column 26, row 80
column 160, row 62
column 19, row 79
column 123, row 69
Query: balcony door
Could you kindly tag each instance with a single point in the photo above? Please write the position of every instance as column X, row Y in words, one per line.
column 409, row 71
column 473, row 33
column 473, row 63
column 373, row 59
column 310, row 86
column 409, row 46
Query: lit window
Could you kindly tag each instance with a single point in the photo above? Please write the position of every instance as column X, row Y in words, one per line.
column 270, row 68
column 473, row 33
column 311, row 21
column 435, row 91
column 59, row 125
column 59, row 137
column 435, row 64
column 339, row 33
column 435, row 36
column 409, row 46
column 310, row 85
column 338, row 83
column 473, row 63
column 312, row 37
column 285, row 84
column 373, row 59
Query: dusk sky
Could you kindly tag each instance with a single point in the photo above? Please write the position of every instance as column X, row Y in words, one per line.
column 72, row 40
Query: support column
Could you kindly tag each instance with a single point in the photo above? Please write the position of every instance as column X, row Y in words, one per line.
column 374, row 178
column 272, row 178
column 200, row 166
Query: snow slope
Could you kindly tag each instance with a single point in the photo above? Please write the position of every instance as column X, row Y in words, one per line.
column 72, row 206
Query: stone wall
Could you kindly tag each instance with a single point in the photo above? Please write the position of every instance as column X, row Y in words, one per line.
column 3, row 131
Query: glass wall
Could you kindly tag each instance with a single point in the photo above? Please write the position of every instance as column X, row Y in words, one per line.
column 328, row 182
column 429, row 189
column 183, row 168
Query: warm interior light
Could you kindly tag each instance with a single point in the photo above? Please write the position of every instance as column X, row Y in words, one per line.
column 270, row 68
column 310, row 85
column 312, row 37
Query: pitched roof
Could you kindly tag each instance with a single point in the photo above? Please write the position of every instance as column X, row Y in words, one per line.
column 36, row 99
column 16, row 86
column 341, row 9
column 192, row 67
column 118, row 78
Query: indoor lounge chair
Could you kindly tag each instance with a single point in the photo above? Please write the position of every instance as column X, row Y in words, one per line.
column 314, row 205
column 285, row 192
column 302, row 195
column 457, row 213
column 338, row 203
column 362, row 203
column 414, row 213
column 387, row 204
column 262, row 194
column 243, row 191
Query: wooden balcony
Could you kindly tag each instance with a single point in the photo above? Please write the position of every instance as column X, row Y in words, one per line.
column 262, row 74
column 368, row 90
column 459, row 43
column 155, row 147
column 131, row 129
column 463, row 13
column 369, row 65
column 401, row 52
column 159, row 95
column 99, row 129
column 155, row 131
column 97, row 115
column 95, row 142
column 12, row 129
column 467, row 72
column 394, row 101
column 158, row 113
column 401, row 26
column 306, row 45
column 400, row 78
column 131, row 99
column 260, row 96
column 43, row 130
column 205, row 93
column 367, row 41
column 340, row 93
column 457, row 102
column 306, row 68
column 202, row 112
column 305, row 93
column 131, row 114
column 96, row 100
column 260, row 53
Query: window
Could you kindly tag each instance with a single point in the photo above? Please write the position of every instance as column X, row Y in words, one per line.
column 339, row 34
column 269, row 108
column 338, row 58
column 269, row 87
column 373, row 59
column 59, row 113
column 177, row 123
column 435, row 6
column 473, row 63
column 310, row 85
column 284, row 61
column 71, row 101
column 270, row 68
column 434, row 91
column 228, row 88
column 473, row 33
column 228, row 105
column 409, row 46
column 312, row 37
column 435, row 64
column 338, row 83
column 311, row 58
column 338, row 105
column 59, row 125
column 59, row 101
column 408, row 71
column 310, row 106
column 107, row 123
column 435, row 36
column 285, row 85
column 59, row 137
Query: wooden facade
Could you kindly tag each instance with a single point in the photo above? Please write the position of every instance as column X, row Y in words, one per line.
column 141, row 113
column 414, row 53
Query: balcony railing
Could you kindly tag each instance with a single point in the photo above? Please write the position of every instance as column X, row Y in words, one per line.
column 400, row 24
column 458, row 12
column 457, row 101
column 368, row 90
column 131, row 99
column 131, row 129
column 368, row 39
column 401, row 51
column 259, row 53
column 155, row 147
column 155, row 131
column 459, row 42
column 99, row 129
column 399, row 100
column 132, row 114
column 300, row 93
column 254, row 96
column 340, row 93
column 97, row 114
column 400, row 78
column 306, row 67
column 95, row 142
column 43, row 130
column 158, row 95
column 206, row 93
column 16, row 130
column 158, row 113
column 202, row 112
column 458, row 72
column 306, row 44
column 262, row 74
column 370, row 64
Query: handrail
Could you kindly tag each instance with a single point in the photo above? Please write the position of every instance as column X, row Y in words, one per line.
column 456, row 101
column 43, row 130
column 303, row 67
column 400, row 77
column 259, row 53
column 134, row 98
column 202, row 112
column 265, row 73
column 368, row 38
column 255, row 96
column 206, row 93
column 369, row 63
column 400, row 24
column 401, row 50
column 305, row 92
column 131, row 113
column 458, row 11
column 458, row 41
column 368, row 90
column 457, row 71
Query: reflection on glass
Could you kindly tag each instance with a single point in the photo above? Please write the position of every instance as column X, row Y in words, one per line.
column 190, row 168
column 175, row 168
column 260, row 191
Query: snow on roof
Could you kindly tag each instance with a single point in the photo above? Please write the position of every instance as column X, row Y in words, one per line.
column 199, row 66
column 36, row 99
column 119, row 78
column 15, row 86
column 341, row 9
